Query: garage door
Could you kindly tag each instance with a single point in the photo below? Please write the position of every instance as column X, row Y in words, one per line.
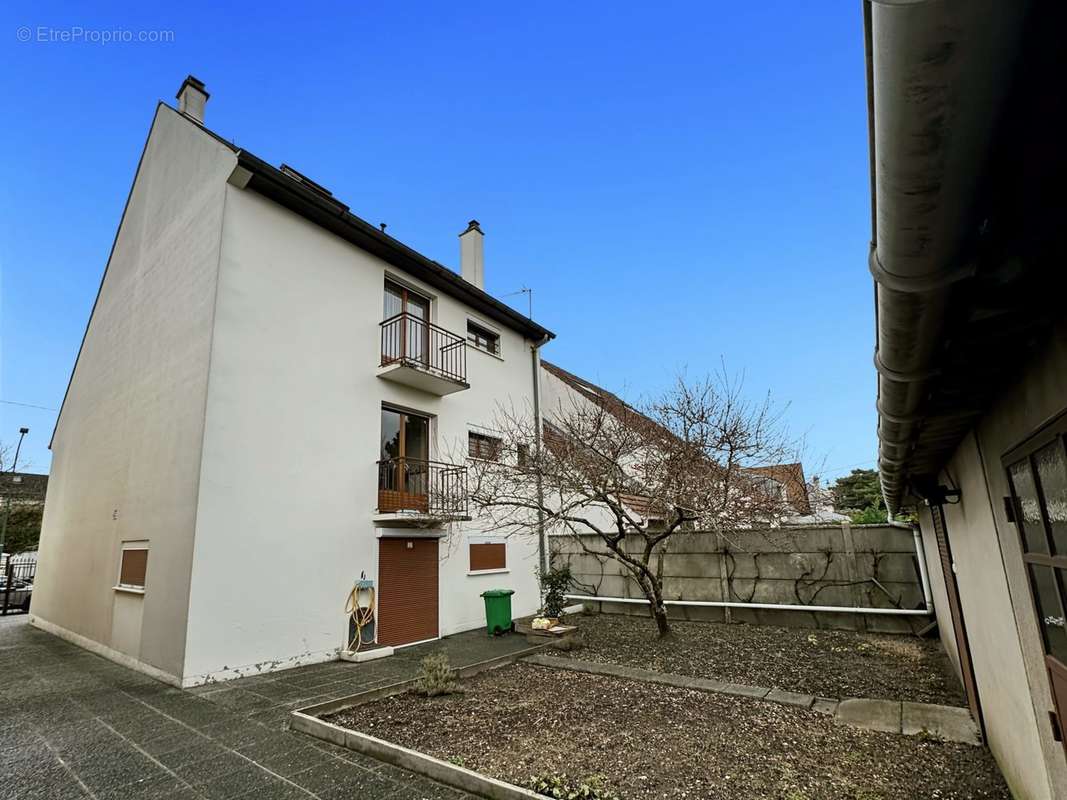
column 407, row 590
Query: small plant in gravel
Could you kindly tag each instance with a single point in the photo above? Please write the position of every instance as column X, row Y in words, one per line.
column 436, row 677
column 555, row 583
column 563, row 787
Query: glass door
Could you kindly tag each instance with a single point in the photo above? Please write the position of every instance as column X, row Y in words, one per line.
column 403, row 481
column 1038, row 481
column 410, row 313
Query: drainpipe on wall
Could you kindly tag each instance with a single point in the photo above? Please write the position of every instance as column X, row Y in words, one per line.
column 920, row 551
column 542, row 543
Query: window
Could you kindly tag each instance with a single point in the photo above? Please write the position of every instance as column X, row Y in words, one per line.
column 483, row 339
column 484, row 447
column 133, row 566
column 487, row 555
column 522, row 455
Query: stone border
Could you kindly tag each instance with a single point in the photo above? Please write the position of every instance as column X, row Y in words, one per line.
column 434, row 768
column 307, row 720
column 677, row 681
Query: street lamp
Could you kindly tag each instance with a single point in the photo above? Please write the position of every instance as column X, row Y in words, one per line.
column 7, row 501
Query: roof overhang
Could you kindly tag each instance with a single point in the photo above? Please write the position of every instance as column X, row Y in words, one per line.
column 967, row 239
column 327, row 212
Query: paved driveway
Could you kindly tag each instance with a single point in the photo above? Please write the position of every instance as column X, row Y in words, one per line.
column 74, row 725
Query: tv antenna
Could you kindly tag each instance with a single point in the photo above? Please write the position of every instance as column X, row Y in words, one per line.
column 526, row 290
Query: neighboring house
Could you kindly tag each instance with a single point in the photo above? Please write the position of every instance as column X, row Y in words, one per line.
column 562, row 391
column 22, row 496
column 968, row 167
column 273, row 397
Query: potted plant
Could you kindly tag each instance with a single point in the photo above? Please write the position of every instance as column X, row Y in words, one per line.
column 554, row 586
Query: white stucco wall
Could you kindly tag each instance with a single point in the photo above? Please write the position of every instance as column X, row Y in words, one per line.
column 1001, row 625
column 126, row 451
column 289, row 483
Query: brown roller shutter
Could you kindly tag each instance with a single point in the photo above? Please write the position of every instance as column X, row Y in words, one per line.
column 955, row 608
column 489, row 555
column 133, row 568
column 407, row 590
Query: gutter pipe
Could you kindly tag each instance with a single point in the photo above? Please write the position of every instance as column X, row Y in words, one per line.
column 938, row 73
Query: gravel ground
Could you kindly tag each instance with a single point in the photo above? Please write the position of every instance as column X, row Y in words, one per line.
column 820, row 662
column 651, row 741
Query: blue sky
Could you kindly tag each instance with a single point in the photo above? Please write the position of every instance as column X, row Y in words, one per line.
column 680, row 184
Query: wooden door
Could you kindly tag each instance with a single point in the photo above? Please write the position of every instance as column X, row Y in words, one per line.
column 403, row 472
column 1037, row 475
column 407, row 590
column 959, row 626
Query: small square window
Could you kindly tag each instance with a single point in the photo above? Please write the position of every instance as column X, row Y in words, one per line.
column 483, row 339
column 484, row 447
column 133, row 568
column 488, row 556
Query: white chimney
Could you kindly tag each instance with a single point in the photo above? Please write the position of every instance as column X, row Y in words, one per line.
column 471, row 258
column 192, row 98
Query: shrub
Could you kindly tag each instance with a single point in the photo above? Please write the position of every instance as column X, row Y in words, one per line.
column 563, row 787
column 554, row 585
column 435, row 677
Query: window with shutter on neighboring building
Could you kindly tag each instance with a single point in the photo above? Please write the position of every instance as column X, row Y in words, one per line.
column 484, row 447
column 486, row 555
column 133, row 567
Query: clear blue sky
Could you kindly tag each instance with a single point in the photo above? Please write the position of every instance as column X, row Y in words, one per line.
column 679, row 183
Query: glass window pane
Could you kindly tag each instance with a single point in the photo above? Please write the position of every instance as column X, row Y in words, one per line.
column 390, row 434
column 393, row 301
column 1052, row 474
column 1049, row 610
column 1030, row 522
column 416, row 437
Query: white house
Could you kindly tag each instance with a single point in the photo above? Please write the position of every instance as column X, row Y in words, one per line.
column 270, row 401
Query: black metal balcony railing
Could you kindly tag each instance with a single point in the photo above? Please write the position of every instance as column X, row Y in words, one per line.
column 430, row 488
column 414, row 342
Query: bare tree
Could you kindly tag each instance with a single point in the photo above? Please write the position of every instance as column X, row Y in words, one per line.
column 629, row 479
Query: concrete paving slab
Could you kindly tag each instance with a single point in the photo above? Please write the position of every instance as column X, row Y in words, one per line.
column 790, row 698
column 825, row 705
column 945, row 722
column 872, row 715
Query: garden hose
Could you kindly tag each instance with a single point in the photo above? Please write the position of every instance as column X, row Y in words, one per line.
column 361, row 616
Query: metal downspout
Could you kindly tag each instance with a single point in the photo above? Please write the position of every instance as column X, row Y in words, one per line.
column 542, row 541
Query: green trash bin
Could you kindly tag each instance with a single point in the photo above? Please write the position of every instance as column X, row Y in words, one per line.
column 498, row 611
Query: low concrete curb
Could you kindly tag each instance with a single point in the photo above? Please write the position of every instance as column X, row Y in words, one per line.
column 434, row 768
column 948, row 723
column 677, row 681
column 307, row 720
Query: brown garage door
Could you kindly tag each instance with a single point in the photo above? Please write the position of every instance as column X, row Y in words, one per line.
column 407, row 590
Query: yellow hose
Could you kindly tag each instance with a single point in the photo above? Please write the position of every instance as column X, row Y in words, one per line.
column 360, row 615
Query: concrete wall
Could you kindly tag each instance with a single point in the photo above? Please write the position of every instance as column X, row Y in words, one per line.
column 765, row 566
column 126, row 451
column 289, row 482
column 1003, row 630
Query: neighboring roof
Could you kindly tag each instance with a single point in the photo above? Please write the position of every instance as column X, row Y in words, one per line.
column 23, row 485
column 791, row 476
column 596, row 394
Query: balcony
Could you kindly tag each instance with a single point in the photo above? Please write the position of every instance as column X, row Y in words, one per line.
column 422, row 355
column 413, row 491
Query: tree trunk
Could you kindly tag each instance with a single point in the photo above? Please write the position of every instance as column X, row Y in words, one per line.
column 654, row 593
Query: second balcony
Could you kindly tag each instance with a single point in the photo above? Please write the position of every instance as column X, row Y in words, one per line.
column 422, row 355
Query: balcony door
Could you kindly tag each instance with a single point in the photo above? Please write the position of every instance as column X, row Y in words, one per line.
column 411, row 339
column 403, row 479
column 1037, row 473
